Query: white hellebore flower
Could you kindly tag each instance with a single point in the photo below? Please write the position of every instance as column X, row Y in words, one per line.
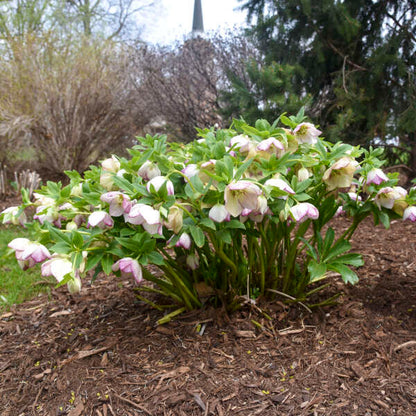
column 43, row 200
column 281, row 185
column 387, row 197
column 304, row 211
column 307, row 133
column 241, row 142
column 111, row 165
column 157, row 182
column 410, row 214
column 146, row 216
column 192, row 261
column 219, row 213
column 184, row 241
column 175, row 219
column 190, row 170
column 10, row 216
column 57, row 266
column 376, row 176
column 340, row 174
column 303, row 174
column 129, row 266
column 28, row 253
column 74, row 285
column 241, row 195
column 119, row 203
column 149, row 170
column 100, row 219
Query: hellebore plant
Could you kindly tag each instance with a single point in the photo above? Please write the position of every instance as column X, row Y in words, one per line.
column 235, row 214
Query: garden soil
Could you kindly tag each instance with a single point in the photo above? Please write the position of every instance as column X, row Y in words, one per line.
column 102, row 353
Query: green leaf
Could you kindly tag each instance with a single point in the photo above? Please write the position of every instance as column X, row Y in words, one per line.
column 155, row 258
column 76, row 259
column 235, row 224
column 107, row 263
column 348, row 276
column 93, row 260
column 198, row 235
column 329, row 239
column 56, row 234
column 77, row 240
column 340, row 247
column 242, row 169
column 61, row 247
column 316, row 271
column 225, row 236
column 287, row 122
column 73, row 175
column 208, row 223
column 352, row 259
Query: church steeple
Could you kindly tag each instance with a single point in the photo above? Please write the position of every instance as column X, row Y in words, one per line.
column 198, row 23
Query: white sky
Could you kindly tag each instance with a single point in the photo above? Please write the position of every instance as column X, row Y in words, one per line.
column 175, row 19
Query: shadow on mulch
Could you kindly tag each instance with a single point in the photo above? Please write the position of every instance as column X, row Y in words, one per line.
column 101, row 352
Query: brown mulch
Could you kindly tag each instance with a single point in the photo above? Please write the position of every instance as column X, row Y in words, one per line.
column 101, row 352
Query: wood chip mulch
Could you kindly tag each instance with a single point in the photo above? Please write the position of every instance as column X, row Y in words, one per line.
column 101, row 352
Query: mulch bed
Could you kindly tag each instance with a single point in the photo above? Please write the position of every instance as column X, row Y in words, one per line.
column 101, row 352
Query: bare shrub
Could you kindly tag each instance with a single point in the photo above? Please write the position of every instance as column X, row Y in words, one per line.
column 181, row 87
column 73, row 102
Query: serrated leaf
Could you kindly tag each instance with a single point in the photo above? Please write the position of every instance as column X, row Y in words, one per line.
column 348, row 276
column 61, row 248
column 316, row 271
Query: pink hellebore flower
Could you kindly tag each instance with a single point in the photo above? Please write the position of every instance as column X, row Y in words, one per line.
column 146, row 216
column 269, row 147
column 340, row 211
column 410, row 214
column 129, row 266
column 149, row 170
column 376, row 176
column 304, row 211
column 307, row 133
column 354, row 196
column 48, row 214
column 57, row 266
column 219, row 213
column 157, row 182
column 340, row 174
column 100, row 219
column 184, row 241
column 241, row 195
column 28, row 253
column 119, row 203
